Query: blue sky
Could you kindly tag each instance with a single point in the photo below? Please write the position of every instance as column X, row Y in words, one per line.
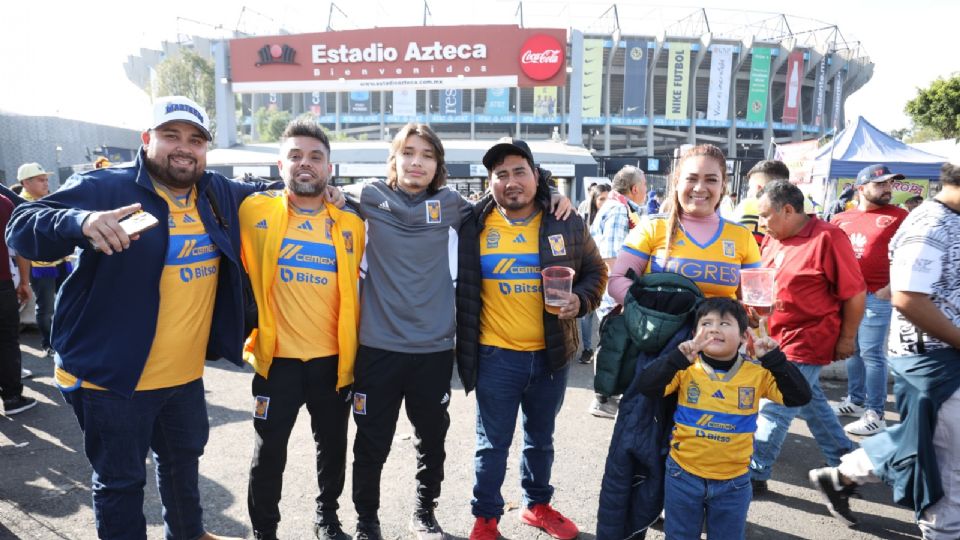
column 66, row 59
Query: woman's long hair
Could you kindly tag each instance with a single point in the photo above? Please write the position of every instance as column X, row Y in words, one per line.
column 594, row 195
column 672, row 205
column 439, row 177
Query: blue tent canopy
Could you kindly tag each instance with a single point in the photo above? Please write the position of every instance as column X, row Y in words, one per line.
column 861, row 144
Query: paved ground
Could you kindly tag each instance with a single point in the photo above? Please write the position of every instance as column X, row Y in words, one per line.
column 44, row 477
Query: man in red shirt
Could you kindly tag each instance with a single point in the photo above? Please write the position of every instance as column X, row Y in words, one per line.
column 820, row 299
column 870, row 227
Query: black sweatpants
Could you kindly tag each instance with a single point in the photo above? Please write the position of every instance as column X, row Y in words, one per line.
column 10, row 361
column 291, row 383
column 382, row 379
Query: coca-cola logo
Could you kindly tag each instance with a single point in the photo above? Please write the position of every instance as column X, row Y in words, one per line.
column 541, row 57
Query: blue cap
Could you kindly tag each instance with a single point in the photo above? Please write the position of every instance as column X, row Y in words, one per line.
column 876, row 173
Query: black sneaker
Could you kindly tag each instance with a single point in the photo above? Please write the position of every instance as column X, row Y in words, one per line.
column 265, row 535
column 424, row 525
column 827, row 481
column 368, row 530
column 586, row 357
column 17, row 405
column 759, row 487
column 330, row 530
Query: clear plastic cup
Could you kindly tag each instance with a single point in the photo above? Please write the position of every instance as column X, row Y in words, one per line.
column 759, row 289
column 557, row 285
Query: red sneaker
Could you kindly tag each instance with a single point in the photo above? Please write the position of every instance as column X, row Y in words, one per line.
column 485, row 529
column 543, row 516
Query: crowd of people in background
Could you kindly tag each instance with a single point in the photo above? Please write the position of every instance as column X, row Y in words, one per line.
column 359, row 301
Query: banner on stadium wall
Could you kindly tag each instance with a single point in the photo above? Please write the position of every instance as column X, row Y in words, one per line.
column 837, row 99
column 718, row 97
column 498, row 101
column 390, row 58
column 545, row 101
column 791, row 99
column 592, row 77
column 635, row 79
column 759, row 85
column 360, row 102
column 678, row 80
column 820, row 87
column 451, row 101
column 798, row 157
column 902, row 189
column 405, row 102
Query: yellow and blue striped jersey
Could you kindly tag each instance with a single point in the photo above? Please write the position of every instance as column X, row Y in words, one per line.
column 306, row 298
column 716, row 416
column 188, row 286
column 511, row 289
column 714, row 266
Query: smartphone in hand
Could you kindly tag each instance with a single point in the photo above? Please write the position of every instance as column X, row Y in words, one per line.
column 139, row 223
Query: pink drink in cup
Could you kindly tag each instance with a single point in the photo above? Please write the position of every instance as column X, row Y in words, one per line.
column 557, row 284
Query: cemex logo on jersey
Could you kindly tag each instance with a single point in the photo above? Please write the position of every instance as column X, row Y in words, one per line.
column 276, row 54
column 541, row 57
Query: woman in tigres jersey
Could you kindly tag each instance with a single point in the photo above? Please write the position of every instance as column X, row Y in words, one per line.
column 690, row 238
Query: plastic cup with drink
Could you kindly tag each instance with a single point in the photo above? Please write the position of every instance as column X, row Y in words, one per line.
column 557, row 286
column 759, row 289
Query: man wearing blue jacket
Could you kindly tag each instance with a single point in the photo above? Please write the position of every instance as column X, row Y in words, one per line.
column 137, row 318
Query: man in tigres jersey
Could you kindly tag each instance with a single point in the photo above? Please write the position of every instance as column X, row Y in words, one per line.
column 303, row 256
column 136, row 319
column 509, row 347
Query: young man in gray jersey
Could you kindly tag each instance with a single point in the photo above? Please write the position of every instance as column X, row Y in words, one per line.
column 407, row 321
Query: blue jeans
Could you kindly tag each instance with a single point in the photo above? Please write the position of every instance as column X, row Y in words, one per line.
column 507, row 381
column 867, row 368
column 44, row 292
column 688, row 499
column 774, row 420
column 117, row 434
column 586, row 330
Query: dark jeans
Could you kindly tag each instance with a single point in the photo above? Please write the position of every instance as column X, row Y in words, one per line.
column 117, row 434
column 508, row 381
column 45, row 293
column 690, row 500
column 291, row 383
column 10, row 385
column 382, row 380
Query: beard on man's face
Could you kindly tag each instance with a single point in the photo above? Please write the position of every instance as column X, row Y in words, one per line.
column 170, row 175
column 307, row 188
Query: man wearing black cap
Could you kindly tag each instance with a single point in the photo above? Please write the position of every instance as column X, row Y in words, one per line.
column 870, row 227
column 514, row 352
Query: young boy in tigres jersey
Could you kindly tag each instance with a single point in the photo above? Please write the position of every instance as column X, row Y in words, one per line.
column 718, row 395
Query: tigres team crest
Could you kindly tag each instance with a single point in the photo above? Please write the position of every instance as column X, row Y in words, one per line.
column 359, row 403
column 261, row 407
column 327, row 226
column 348, row 241
column 433, row 211
column 557, row 246
column 747, row 397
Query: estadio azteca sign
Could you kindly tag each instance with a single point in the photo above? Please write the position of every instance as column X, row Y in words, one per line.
column 390, row 58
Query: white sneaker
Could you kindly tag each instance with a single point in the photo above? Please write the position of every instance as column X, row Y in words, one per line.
column 868, row 424
column 848, row 408
column 607, row 409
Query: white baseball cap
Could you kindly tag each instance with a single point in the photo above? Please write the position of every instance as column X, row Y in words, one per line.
column 180, row 109
column 29, row 170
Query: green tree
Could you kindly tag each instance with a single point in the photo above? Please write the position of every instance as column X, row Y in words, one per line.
column 938, row 107
column 188, row 74
column 271, row 122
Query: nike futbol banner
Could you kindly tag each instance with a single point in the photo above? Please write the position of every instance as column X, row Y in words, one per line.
column 678, row 79
column 635, row 79
column 391, row 58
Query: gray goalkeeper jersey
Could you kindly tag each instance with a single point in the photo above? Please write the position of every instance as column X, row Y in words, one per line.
column 409, row 270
